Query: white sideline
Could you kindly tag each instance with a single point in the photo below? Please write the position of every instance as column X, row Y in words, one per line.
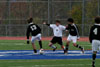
column 13, row 44
column 56, row 65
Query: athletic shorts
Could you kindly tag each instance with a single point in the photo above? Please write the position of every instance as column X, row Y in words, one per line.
column 37, row 37
column 57, row 40
column 72, row 38
column 95, row 45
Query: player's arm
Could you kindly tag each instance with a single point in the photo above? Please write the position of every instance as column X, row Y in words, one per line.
column 50, row 25
column 63, row 27
column 28, row 34
column 46, row 24
column 90, row 36
column 67, row 28
column 77, row 30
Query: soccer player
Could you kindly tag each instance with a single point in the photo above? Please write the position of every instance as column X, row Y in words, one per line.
column 36, row 34
column 94, row 38
column 57, row 31
column 73, row 35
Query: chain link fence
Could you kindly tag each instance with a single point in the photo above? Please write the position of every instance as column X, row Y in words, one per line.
column 20, row 30
column 14, row 14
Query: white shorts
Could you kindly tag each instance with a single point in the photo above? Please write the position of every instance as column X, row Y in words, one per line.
column 37, row 37
column 72, row 38
column 95, row 45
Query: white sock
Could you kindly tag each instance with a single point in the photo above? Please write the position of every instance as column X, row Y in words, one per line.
column 53, row 46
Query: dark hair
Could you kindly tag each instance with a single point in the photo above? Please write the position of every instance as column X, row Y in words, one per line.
column 70, row 20
column 30, row 20
column 97, row 19
column 57, row 21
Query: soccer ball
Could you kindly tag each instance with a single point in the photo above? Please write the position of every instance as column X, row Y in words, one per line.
column 41, row 51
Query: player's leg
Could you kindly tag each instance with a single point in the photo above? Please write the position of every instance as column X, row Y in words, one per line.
column 74, row 40
column 59, row 41
column 78, row 46
column 39, row 40
column 93, row 58
column 33, row 45
column 34, row 48
column 67, row 46
column 40, row 43
column 53, row 41
column 52, row 46
column 68, row 42
column 94, row 49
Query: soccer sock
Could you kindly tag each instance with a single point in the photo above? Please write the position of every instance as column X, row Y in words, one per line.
column 93, row 58
column 40, row 43
column 52, row 46
column 79, row 46
column 35, row 51
column 63, row 47
column 67, row 47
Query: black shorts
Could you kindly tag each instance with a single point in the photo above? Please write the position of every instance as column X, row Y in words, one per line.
column 57, row 40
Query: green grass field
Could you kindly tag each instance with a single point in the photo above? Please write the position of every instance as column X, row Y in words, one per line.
column 21, row 45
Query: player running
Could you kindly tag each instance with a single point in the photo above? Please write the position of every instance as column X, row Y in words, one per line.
column 36, row 34
column 94, row 38
column 73, row 35
column 57, row 38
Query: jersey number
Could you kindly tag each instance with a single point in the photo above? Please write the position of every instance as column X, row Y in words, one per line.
column 33, row 28
column 95, row 31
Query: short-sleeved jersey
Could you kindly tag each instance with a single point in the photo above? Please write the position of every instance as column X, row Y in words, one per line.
column 57, row 30
column 73, row 30
column 94, row 32
column 33, row 29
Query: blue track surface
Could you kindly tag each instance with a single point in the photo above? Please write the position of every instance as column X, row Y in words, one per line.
column 28, row 54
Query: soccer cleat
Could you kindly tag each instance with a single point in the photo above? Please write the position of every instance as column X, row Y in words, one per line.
column 93, row 64
column 41, row 49
column 65, row 52
column 35, row 51
column 54, row 49
column 82, row 50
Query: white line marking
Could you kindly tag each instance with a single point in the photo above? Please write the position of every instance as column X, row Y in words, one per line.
column 57, row 65
column 12, row 44
column 47, row 53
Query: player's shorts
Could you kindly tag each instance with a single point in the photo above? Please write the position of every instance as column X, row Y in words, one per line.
column 57, row 40
column 95, row 45
column 72, row 38
column 37, row 37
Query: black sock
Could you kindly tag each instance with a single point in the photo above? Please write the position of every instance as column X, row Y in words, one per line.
column 40, row 43
column 79, row 46
column 93, row 58
column 35, row 51
column 67, row 47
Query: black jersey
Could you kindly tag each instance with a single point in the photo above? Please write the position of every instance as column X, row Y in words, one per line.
column 33, row 29
column 94, row 32
column 73, row 30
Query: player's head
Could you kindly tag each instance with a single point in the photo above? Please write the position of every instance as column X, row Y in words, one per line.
column 58, row 22
column 70, row 21
column 97, row 19
column 30, row 20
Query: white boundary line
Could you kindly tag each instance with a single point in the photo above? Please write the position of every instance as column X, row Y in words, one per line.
column 61, row 65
